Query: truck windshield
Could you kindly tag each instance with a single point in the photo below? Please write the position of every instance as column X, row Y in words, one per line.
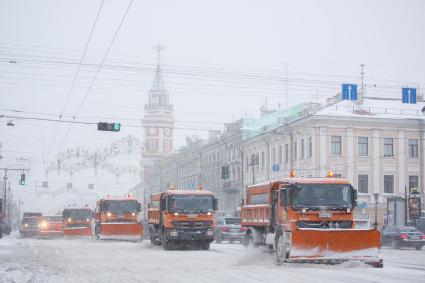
column 190, row 203
column 30, row 221
column 321, row 196
column 120, row 206
column 78, row 214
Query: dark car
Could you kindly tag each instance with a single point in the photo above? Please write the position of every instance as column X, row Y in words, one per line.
column 30, row 226
column 399, row 237
column 4, row 229
column 229, row 229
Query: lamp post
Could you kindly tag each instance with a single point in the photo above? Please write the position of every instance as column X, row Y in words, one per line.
column 376, row 195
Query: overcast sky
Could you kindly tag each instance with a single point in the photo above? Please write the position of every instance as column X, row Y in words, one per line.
column 222, row 60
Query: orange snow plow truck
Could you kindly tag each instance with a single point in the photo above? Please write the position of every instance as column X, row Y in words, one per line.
column 77, row 222
column 118, row 218
column 182, row 217
column 308, row 220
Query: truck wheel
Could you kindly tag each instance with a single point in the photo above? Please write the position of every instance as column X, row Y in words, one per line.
column 282, row 248
column 248, row 241
column 152, row 237
column 418, row 247
column 167, row 244
column 206, row 246
column 97, row 231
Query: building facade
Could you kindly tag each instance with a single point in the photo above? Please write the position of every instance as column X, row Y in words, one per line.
column 379, row 149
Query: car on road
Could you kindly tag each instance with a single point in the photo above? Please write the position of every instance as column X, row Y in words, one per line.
column 229, row 229
column 30, row 226
column 50, row 227
column 399, row 237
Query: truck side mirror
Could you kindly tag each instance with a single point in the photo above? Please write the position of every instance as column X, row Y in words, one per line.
column 149, row 205
column 354, row 198
column 139, row 207
column 215, row 204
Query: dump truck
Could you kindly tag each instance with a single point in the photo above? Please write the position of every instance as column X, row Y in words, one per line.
column 118, row 218
column 179, row 218
column 77, row 222
column 308, row 220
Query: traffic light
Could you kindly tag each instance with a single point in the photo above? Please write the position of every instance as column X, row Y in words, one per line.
column 225, row 172
column 22, row 180
column 111, row 127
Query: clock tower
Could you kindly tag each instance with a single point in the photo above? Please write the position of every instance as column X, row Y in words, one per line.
column 158, row 124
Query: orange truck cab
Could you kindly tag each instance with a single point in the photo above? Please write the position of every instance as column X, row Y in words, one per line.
column 182, row 217
column 77, row 222
column 118, row 218
column 308, row 220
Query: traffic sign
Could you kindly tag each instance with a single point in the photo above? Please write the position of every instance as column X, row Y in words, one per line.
column 275, row 167
column 408, row 95
column 349, row 92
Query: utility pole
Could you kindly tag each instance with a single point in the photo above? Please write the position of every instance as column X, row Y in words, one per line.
column 286, row 86
column 362, row 73
column 5, row 203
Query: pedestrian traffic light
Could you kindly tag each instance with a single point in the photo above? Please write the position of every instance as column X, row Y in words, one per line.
column 111, row 127
column 22, row 180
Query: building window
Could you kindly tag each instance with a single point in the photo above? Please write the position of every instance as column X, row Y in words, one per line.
column 302, row 150
column 388, row 147
column 274, row 156
column 336, row 145
column 263, row 159
column 413, row 181
column 413, row 148
column 286, row 153
column 280, row 154
column 294, row 153
column 362, row 146
column 389, row 184
column 310, row 147
column 363, row 182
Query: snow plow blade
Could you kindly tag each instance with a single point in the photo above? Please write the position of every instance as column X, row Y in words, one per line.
column 124, row 231
column 334, row 246
column 78, row 232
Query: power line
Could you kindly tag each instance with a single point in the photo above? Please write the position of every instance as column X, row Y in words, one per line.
column 75, row 76
column 97, row 72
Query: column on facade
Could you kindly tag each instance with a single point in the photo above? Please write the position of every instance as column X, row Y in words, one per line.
column 376, row 162
column 323, row 146
column 401, row 162
column 350, row 156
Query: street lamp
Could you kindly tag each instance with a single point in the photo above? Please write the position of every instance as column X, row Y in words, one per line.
column 376, row 195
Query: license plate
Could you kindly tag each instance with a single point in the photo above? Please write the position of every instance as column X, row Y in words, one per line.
column 192, row 216
column 325, row 214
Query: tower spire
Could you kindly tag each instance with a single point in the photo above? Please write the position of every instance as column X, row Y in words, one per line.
column 158, row 83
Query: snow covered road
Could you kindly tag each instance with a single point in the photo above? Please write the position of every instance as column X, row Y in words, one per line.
column 62, row 260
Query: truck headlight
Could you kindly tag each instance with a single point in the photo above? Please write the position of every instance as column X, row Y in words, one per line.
column 174, row 233
column 133, row 214
column 44, row 224
column 109, row 214
column 210, row 233
column 26, row 225
column 69, row 219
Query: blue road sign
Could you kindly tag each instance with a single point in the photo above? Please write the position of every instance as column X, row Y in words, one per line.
column 362, row 204
column 349, row 92
column 408, row 95
column 275, row 167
